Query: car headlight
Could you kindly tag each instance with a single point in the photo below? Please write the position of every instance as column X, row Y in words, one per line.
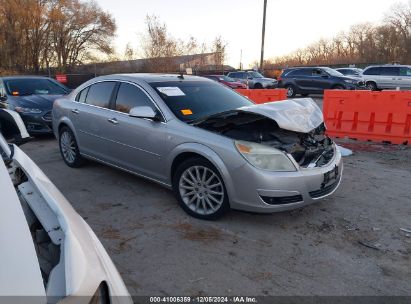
column 349, row 81
column 28, row 110
column 264, row 157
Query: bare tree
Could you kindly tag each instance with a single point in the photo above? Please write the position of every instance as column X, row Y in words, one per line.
column 219, row 49
column 78, row 29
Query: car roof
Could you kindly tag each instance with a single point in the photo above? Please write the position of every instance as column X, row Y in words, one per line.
column 24, row 77
column 388, row 66
column 20, row 273
column 151, row 77
column 348, row 68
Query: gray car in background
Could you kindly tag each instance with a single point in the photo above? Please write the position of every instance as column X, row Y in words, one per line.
column 254, row 79
column 211, row 145
column 391, row 77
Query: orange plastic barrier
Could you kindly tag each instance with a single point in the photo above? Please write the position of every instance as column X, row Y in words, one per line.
column 264, row 95
column 377, row 116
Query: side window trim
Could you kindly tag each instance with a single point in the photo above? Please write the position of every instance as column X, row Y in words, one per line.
column 113, row 97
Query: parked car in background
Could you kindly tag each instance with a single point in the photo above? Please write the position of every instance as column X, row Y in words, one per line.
column 32, row 97
column 314, row 80
column 48, row 252
column 352, row 72
column 253, row 79
column 391, row 77
column 215, row 148
column 230, row 82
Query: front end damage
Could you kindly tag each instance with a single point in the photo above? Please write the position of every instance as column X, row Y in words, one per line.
column 294, row 126
column 267, row 136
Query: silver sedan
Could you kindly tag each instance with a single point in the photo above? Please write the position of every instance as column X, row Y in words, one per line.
column 212, row 146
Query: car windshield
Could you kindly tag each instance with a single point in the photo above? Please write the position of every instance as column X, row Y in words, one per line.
column 333, row 72
column 255, row 75
column 33, row 86
column 194, row 100
column 226, row 78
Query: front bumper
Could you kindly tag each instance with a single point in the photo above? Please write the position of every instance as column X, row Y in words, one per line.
column 38, row 123
column 270, row 85
column 263, row 191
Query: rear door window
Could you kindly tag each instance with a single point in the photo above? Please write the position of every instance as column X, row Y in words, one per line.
column 390, row 71
column 81, row 97
column 130, row 96
column 405, row 71
column 372, row 71
column 100, row 93
column 301, row 72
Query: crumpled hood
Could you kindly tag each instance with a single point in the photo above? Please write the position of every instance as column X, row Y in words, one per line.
column 42, row 102
column 299, row 115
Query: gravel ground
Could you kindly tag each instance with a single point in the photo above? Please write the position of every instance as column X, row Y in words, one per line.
column 347, row 244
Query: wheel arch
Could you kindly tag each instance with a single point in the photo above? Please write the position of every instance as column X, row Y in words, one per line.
column 371, row 81
column 65, row 122
column 188, row 150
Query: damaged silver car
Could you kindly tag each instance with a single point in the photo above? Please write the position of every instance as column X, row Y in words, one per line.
column 212, row 146
column 48, row 252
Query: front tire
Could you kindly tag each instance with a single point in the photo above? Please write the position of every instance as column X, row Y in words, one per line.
column 258, row 86
column 372, row 86
column 200, row 190
column 69, row 149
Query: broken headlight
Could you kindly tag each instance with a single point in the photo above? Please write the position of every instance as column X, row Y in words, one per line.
column 264, row 157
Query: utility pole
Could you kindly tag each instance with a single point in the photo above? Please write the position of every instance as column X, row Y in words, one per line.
column 263, row 37
column 241, row 59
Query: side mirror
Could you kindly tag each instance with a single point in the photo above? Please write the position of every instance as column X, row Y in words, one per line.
column 12, row 127
column 250, row 78
column 144, row 112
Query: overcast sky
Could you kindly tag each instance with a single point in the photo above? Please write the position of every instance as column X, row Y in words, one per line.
column 291, row 24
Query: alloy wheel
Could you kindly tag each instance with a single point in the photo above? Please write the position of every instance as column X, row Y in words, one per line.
column 201, row 190
column 68, row 147
column 290, row 91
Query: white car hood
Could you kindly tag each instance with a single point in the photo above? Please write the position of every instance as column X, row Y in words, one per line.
column 19, row 268
column 299, row 115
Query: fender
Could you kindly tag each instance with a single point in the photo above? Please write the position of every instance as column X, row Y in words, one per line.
column 208, row 154
column 64, row 120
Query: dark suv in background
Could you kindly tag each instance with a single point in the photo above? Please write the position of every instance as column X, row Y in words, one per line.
column 314, row 80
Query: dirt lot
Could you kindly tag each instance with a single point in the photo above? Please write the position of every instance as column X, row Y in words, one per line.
column 348, row 244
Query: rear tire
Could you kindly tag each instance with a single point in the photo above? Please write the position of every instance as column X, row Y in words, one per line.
column 290, row 90
column 200, row 190
column 69, row 149
column 338, row 87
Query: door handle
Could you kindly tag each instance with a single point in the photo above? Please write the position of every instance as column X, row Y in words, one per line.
column 114, row 121
column 75, row 111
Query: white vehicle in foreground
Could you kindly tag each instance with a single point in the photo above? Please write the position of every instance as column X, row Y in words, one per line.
column 48, row 252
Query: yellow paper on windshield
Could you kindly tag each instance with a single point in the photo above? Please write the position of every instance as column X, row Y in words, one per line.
column 187, row 112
